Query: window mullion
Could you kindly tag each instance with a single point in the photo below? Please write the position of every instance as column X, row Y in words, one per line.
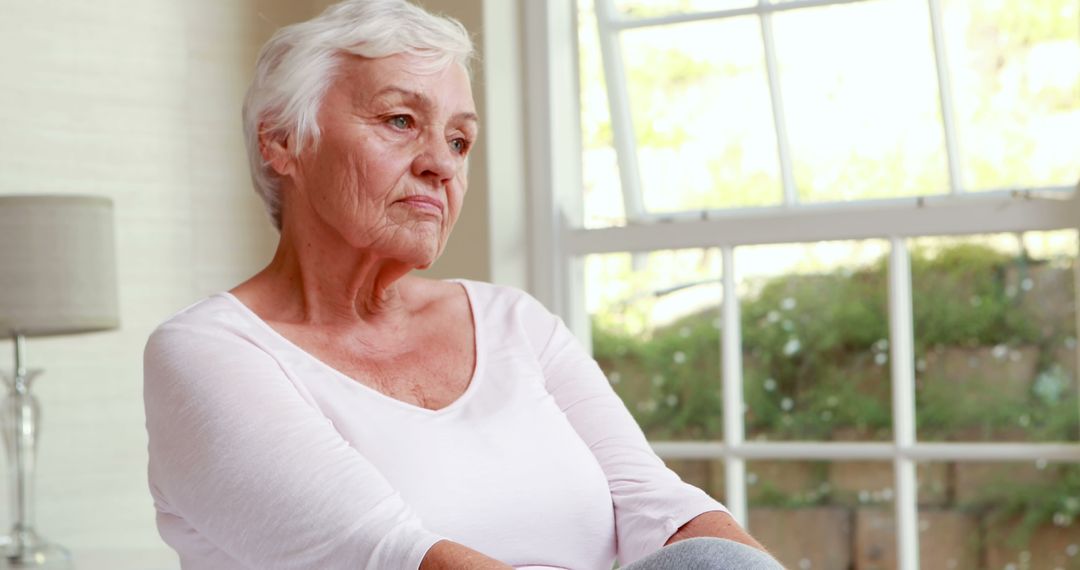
column 622, row 123
column 791, row 197
column 545, row 231
column 952, row 146
column 902, row 357
column 731, row 354
column 689, row 17
column 969, row 214
column 1011, row 452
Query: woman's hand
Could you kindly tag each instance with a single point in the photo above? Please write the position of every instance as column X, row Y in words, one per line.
column 446, row 555
column 716, row 524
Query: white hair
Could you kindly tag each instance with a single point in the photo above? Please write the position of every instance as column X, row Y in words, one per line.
column 296, row 67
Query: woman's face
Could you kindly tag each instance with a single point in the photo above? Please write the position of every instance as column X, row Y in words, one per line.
column 388, row 174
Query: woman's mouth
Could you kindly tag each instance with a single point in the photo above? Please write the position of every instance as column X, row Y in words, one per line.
column 425, row 204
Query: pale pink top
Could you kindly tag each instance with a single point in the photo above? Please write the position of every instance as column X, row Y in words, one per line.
column 264, row 457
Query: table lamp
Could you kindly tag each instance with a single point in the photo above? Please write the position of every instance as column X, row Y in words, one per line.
column 57, row 277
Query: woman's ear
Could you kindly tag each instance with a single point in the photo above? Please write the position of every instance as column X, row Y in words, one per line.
column 275, row 148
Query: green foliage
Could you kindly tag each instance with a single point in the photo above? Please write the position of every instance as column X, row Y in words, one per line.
column 1055, row 501
column 671, row 379
column 815, row 365
column 807, row 338
column 962, row 299
column 816, row 356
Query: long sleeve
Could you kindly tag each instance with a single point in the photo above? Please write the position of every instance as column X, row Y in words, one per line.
column 650, row 500
column 239, row 454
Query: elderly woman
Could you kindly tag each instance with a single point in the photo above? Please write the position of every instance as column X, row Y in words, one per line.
column 336, row 411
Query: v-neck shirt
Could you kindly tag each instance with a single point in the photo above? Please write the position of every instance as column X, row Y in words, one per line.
column 263, row 456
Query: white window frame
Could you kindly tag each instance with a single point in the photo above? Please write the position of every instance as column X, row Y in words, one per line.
column 558, row 244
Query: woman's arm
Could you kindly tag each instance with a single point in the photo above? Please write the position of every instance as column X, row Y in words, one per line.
column 651, row 502
column 716, row 524
column 239, row 455
column 446, row 555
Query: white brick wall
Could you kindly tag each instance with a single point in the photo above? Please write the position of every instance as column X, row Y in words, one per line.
column 138, row 100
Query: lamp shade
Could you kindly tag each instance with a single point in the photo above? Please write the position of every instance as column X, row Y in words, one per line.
column 57, row 265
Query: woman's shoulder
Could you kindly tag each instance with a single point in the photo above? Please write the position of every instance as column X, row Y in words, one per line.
column 500, row 296
column 219, row 308
column 212, row 321
column 510, row 312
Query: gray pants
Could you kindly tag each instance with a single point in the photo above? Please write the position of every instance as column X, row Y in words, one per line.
column 706, row 554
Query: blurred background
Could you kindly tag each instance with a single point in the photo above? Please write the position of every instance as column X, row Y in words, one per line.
column 642, row 161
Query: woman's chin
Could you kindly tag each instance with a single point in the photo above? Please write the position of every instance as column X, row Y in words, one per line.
column 416, row 249
column 420, row 256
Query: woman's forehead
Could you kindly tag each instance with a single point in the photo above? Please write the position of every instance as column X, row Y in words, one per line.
column 404, row 78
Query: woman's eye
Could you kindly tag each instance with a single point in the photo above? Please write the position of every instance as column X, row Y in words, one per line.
column 459, row 145
column 400, row 121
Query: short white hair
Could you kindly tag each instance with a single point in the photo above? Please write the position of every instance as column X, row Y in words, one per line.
column 296, row 67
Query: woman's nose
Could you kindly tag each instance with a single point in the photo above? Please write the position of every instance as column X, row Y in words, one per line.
column 436, row 161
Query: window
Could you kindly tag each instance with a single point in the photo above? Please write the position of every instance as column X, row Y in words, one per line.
column 826, row 251
column 694, row 106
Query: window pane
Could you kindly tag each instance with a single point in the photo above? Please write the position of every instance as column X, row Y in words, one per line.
column 700, row 104
column 862, row 107
column 1008, row 515
column 1016, row 82
column 995, row 337
column 656, row 335
column 842, row 512
column 601, row 185
column 815, row 341
column 651, row 8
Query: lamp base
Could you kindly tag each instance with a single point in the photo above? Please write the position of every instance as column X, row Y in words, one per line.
column 36, row 553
